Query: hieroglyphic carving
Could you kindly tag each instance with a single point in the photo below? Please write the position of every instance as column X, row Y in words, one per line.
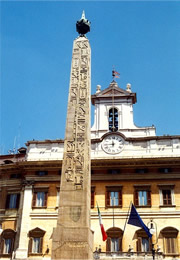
column 79, row 101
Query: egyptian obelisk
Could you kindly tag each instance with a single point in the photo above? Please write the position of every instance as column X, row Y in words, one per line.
column 72, row 238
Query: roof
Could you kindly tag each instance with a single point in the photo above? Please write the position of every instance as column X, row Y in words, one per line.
column 116, row 91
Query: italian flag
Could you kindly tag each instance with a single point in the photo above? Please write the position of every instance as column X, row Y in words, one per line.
column 104, row 235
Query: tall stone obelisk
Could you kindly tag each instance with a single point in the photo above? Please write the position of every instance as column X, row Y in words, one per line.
column 72, row 238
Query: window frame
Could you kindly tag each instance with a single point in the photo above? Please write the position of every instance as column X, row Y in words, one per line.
column 140, row 235
column 114, row 233
column 110, row 189
column 33, row 234
column 142, row 188
column 34, row 198
column 170, row 234
column 41, row 173
column 164, row 187
column 8, row 201
column 116, row 122
column 7, row 234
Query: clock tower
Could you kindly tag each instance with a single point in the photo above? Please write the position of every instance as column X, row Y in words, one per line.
column 114, row 115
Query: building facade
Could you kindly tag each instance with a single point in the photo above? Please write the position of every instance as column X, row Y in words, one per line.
column 129, row 164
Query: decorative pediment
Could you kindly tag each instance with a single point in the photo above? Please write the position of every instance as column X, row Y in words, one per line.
column 36, row 232
column 114, row 91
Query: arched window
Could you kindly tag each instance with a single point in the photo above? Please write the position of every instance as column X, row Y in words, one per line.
column 114, row 240
column 144, row 243
column 113, row 119
column 36, row 241
column 170, row 240
column 7, row 241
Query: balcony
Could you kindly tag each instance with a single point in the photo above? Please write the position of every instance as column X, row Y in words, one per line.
column 127, row 255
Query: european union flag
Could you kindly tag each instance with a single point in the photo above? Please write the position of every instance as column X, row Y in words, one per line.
column 135, row 220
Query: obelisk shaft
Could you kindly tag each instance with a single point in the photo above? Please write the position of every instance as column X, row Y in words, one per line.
column 72, row 238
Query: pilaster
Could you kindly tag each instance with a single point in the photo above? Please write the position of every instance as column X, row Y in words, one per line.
column 22, row 251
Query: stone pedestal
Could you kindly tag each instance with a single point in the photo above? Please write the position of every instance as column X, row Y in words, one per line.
column 72, row 243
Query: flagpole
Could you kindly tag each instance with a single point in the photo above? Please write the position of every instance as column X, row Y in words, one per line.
column 127, row 216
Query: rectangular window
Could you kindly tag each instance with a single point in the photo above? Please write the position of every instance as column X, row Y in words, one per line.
column 145, row 244
column 171, row 245
column 36, row 245
column 114, row 244
column 166, row 197
column 142, row 196
column 166, row 193
column 41, row 173
column 40, row 199
column 114, row 196
column 7, row 245
column 12, row 201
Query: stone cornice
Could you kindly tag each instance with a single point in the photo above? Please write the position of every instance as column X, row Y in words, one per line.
column 128, row 177
column 138, row 139
column 136, row 162
column 47, row 141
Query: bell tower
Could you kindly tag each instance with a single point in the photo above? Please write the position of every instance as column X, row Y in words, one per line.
column 114, row 112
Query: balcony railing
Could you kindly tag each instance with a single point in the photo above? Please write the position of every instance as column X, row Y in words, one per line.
column 127, row 255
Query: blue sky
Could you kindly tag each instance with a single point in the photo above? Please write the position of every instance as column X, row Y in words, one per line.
column 141, row 39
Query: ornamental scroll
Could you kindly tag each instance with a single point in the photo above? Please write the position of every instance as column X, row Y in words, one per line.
column 77, row 142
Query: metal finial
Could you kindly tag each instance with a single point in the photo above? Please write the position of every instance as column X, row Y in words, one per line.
column 83, row 25
column 83, row 15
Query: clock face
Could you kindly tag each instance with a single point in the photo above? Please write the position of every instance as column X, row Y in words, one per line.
column 113, row 144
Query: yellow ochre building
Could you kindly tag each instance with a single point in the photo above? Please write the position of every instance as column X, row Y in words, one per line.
column 128, row 164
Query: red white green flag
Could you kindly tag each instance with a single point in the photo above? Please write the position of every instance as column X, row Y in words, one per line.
column 104, row 235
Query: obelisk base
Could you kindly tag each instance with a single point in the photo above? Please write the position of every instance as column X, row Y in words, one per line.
column 72, row 243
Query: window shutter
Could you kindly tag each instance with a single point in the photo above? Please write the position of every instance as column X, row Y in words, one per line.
column 120, row 244
column 168, row 244
column 7, row 201
column 34, row 199
column 45, row 199
column 108, row 244
column 92, row 199
column 169, row 197
column 12, row 245
column 1, row 245
column 41, row 245
column 149, row 198
column 17, row 200
column 120, row 198
column 30, row 245
column 139, row 241
column 107, row 198
column 173, row 245
column 136, row 198
column 160, row 197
